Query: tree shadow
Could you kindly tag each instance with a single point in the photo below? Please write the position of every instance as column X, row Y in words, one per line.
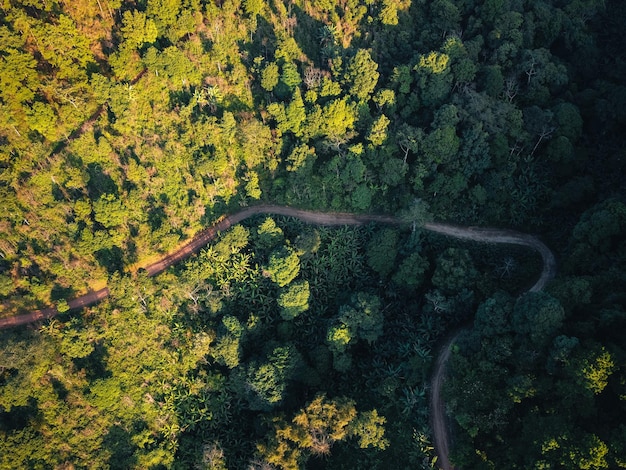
column 19, row 417
column 118, row 441
column 306, row 34
column 60, row 292
column 99, row 182
column 112, row 259
column 95, row 364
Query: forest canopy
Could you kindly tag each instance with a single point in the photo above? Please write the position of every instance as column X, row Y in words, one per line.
column 127, row 128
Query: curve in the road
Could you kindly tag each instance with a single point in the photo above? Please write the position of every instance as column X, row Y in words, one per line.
column 482, row 235
column 441, row 439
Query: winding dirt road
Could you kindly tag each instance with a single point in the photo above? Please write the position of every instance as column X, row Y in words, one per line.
column 477, row 234
column 441, row 439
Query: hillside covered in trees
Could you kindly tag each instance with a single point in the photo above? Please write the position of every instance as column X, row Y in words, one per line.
column 128, row 127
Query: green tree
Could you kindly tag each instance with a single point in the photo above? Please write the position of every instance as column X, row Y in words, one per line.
column 290, row 76
column 378, row 130
column 537, row 315
column 382, row 251
column 270, row 76
column 137, row 29
column 295, row 114
column 268, row 235
column 388, row 14
column 363, row 319
column 595, row 368
column 314, row 429
column 364, row 316
column 433, row 78
column 283, row 266
column 411, row 272
column 361, row 75
column 42, row 118
column 227, row 350
column 264, row 383
column 294, row 299
column 454, row 270
column 368, row 427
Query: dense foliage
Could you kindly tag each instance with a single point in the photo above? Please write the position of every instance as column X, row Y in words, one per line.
column 125, row 127
column 548, row 368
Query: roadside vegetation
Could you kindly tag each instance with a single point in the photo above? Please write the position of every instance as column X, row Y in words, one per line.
column 128, row 127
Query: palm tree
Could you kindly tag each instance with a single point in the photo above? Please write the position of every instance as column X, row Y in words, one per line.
column 327, row 35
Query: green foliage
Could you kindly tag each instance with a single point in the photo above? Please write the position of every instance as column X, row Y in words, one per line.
column 125, row 129
column 290, row 76
column 269, row 77
column 538, row 316
column 454, row 270
column 361, row 75
column 137, row 29
column 378, row 131
column 232, row 241
column 227, row 350
column 283, row 266
column 264, row 383
column 382, row 251
column 368, row 427
column 361, row 319
column 338, row 338
column 316, row 428
column 595, row 370
column 307, row 243
column 268, row 235
column 294, row 299
column 410, row 273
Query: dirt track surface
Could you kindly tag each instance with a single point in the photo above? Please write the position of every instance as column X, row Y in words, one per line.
column 438, row 418
column 482, row 235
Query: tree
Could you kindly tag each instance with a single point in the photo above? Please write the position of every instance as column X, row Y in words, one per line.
column 269, row 76
column 368, row 427
column 41, row 118
column 595, row 368
column 283, row 267
column 314, row 429
column 138, row 30
column 253, row 7
column 361, row 75
column 227, row 350
column 299, row 157
column 264, row 382
column 382, row 251
column 362, row 318
column 232, row 241
column 290, row 76
column 64, row 47
column 455, row 270
column 294, row 299
column 388, row 14
column 493, row 316
column 164, row 14
column 433, row 78
column 410, row 273
column 337, row 119
column 295, row 114
column 537, row 315
column 268, row 235
column 378, row 130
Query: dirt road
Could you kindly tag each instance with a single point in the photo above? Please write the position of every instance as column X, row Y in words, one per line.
column 482, row 235
column 438, row 418
column 441, row 439
column 199, row 241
